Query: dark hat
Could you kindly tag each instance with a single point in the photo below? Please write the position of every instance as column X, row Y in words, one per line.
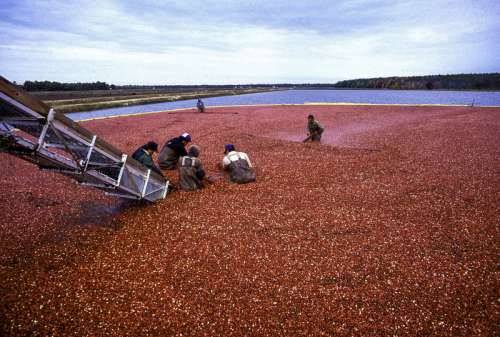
column 194, row 151
column 151, row 146
column 228, row 148
column 186, row 137
column 310, row 116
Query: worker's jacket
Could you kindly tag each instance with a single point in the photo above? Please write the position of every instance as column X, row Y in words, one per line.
column 315, row 130
column 191, row 173
column 239, row 166
column 170, row 153
column 143, row 157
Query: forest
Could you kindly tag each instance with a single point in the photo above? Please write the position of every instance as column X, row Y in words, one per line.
column 58, row 86
column 489, row 81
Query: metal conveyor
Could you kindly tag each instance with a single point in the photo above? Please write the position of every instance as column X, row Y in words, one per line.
column 32, row 131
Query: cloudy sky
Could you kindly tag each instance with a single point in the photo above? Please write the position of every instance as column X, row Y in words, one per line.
column 252, row 41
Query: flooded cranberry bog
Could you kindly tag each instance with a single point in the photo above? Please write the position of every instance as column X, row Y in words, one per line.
column 389, row 227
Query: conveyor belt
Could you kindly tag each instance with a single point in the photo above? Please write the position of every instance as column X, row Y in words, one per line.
column 32, row 131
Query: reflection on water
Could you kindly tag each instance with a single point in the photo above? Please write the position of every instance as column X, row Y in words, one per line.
column 477, row 98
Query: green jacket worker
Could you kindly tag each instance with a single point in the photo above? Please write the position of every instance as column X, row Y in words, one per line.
column 314, row 128
column 144, row 155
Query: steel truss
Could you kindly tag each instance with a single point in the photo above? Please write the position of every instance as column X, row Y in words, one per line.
column 32, row 131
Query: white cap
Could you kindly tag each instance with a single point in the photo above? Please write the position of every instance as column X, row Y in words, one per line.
column 186, row 136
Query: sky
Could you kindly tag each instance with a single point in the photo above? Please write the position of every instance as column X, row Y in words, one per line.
column 244, row 42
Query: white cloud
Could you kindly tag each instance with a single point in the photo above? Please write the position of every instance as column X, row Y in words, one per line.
column 117, row 42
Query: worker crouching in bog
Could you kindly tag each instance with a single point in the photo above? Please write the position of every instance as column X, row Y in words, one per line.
column 191, row 172
column 238, row 164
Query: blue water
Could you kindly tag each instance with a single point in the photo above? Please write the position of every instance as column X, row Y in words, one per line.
column 478, row 98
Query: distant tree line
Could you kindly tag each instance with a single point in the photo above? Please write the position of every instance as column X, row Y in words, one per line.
column 489, row 81
column 202, row 86
column 233, row 86
column 57, row 86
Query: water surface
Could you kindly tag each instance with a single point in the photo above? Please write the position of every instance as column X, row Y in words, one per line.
column 477, row 98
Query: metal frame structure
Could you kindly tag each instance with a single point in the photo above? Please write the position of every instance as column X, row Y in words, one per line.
column 34, row 132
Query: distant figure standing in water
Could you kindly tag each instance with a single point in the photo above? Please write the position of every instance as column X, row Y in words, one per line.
column 200, row 105
column 314, row 128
